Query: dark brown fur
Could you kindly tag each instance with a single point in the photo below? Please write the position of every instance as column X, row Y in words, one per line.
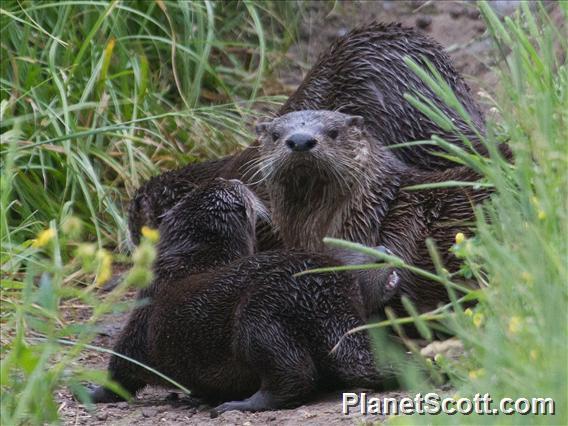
column 232, row 325
column 361, row 73
column 348, row 186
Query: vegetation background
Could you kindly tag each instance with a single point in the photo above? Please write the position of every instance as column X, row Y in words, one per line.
column 97, row 96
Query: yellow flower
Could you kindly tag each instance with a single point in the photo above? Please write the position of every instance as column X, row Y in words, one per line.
column 104, row 271
column 541, row 215
column 478, row 319
column 515, row 324
column 460, row 238
column 72, row 226
column 528, row 278
column 475, row 374
column 43, row 238
column 86, row 250
column 468, row 312
column 153, row 235
column 533, row 355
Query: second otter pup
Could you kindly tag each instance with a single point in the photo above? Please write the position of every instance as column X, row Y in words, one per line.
column 327, row 176
column 235, row 326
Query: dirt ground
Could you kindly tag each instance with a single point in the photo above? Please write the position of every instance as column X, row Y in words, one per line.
column 457, row 26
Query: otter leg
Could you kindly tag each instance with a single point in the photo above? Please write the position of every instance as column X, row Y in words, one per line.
column 286, row 368
column 354, row 364
column 130, row 384
column 131, row 343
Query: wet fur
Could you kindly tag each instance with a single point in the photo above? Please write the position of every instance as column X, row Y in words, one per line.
column 377, row 209
column 230, row 324
column 362, row 73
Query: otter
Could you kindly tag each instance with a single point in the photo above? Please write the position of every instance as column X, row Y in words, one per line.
column 327, row 176
column 362, row 73
column 236, row 326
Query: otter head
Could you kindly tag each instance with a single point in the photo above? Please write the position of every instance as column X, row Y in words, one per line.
column 310, row 149
column 315, row 164
column 213, row 224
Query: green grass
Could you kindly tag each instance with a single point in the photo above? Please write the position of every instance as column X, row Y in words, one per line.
column 97, row 96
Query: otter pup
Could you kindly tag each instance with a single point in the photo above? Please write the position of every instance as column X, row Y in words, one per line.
column 327, row 176
column 362, row 73
column 235, row 326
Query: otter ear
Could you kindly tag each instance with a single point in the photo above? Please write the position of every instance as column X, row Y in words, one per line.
column 355, row 120
column 260, row 128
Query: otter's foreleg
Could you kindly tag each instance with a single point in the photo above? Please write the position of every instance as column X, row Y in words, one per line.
column 355, row 364
column 131, row 343
column 286, row 369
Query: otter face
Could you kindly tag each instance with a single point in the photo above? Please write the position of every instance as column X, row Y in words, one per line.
column 305, row 147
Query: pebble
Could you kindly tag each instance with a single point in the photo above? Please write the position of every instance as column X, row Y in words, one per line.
column 505, row 7
column 149, row 412
column 456, row 12
column 423, row 21
column 102, row 416
column 122, row 405
column 308, row 414
column 479, row 27
column 473, row 13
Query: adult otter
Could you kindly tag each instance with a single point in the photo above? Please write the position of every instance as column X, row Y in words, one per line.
column 248, row 328
column 362, row 73
column 328, row 176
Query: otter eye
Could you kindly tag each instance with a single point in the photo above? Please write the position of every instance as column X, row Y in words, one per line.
column 275, row 136
column 333, row 133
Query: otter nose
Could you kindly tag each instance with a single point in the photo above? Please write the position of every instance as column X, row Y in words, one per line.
column 301, row 142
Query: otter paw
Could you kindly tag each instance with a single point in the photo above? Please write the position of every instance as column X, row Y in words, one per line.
column 101, row 395
column 260, row 401
column 393, row 281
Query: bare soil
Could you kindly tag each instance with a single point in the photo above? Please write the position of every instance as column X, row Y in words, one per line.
column 456, row 26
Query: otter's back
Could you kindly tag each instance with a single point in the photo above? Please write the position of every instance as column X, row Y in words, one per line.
column 363, row 73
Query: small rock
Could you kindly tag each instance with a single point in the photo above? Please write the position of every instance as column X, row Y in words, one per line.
column 473, row 13
column 102, row 416
column 308, row 414
column 149, row 412
column 479, row 27
column 456, row 12
column 423, row 21
column 505, row 7
column 122, row 405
